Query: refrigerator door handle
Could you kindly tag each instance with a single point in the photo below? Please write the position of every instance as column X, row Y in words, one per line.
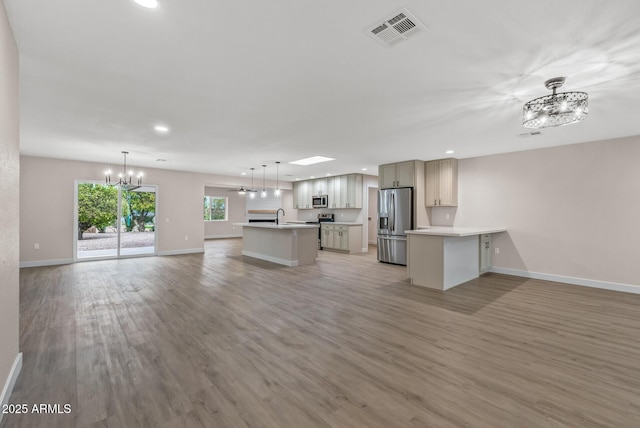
column 392, row 213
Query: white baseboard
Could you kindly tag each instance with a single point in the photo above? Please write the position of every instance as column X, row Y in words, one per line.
column 277, row 260
column 11, row 381
column 365, row 250
column 627, row 288
column 46, row 263
column 373, row 242
column 223, row 236
column 178, row 252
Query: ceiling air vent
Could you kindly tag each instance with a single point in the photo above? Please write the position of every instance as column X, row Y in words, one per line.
column 529, row 134
column 395, row 28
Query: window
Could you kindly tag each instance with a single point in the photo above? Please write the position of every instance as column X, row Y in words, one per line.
column 215, row 208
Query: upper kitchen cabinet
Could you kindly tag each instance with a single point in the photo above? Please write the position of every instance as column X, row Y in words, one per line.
column 441, row 183
column 350, row 191
column 320, row 187
column 302, row 191
column 401, row 174
column 343, row 191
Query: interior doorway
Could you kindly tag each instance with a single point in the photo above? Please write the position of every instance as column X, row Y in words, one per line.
column 112, row 221
column 372, row 209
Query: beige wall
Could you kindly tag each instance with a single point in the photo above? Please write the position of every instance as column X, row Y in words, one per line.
column 47, row 208
column 9, row 197
column 235, row 214
column 47, row 205
column 571, row 211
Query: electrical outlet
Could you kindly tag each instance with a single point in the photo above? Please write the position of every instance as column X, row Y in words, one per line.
column 36, row 246
column 446, row 216
column 186, row 237
column 496, row 250
column 166, row 220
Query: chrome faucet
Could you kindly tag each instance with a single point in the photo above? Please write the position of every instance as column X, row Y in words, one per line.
column 277, row 213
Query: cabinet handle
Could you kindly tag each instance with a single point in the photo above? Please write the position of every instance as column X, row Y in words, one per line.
column 439, row 202
column 434, row 202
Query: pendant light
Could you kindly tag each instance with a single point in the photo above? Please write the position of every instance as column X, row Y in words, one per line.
column 263, row 194
column 252, row 193
column 276, row 192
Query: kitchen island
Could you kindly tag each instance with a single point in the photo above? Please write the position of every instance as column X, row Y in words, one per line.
column 285, row 244
column 443, row 257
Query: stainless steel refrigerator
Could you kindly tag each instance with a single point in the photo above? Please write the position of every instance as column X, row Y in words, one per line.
column 395, row 215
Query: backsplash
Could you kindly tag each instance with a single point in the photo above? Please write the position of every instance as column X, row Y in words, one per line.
column 346, row 215
column 271, row 202
column 438, row 216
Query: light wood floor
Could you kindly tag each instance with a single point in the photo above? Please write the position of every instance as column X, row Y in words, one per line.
column 221, row 340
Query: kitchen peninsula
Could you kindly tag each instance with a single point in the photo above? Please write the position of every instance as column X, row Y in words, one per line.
column 285, row 244
column 443, row 257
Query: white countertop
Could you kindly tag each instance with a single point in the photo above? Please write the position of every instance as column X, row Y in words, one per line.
column 285, row 226
column 455, row 231
column 347, row 223
column 344, row 223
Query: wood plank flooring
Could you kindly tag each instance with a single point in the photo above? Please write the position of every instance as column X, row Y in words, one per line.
column 222, row 340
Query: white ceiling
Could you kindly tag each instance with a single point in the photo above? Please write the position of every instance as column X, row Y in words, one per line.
column 248, row 82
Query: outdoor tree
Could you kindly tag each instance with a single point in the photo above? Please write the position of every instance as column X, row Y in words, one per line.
column 97, row 206
column 218, row 208
column 142, row 209
column 215, row 208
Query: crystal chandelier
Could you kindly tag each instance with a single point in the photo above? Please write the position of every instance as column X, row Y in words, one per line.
column 556, row 109
column 123, row 181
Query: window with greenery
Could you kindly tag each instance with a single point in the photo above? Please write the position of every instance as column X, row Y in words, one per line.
column 215, row 208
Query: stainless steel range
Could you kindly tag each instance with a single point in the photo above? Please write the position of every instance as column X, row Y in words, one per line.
column 322, row 218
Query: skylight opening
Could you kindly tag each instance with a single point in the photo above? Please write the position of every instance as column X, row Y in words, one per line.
column 149, row 4
column 312, row 160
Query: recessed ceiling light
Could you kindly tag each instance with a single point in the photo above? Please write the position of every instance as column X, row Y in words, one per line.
column 297, row 179
column 312, row 176
column 312, row 160
column 149, row 4
column 243, row 173
column 364, row 169
column 450, row 152
column 161, row 128
column 328, row 174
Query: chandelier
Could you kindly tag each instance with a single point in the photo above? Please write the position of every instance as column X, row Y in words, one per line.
column 556, row 109
column 123, row 181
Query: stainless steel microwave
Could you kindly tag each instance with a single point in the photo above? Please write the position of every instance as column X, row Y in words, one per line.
column 320, row 201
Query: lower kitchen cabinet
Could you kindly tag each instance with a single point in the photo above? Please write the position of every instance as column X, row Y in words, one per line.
column 345, row 238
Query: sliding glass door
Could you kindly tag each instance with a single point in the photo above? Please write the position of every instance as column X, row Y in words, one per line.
column 137, row 227
column 114, row 222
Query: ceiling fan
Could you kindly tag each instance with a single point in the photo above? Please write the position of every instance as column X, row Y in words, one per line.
column 242, row 190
